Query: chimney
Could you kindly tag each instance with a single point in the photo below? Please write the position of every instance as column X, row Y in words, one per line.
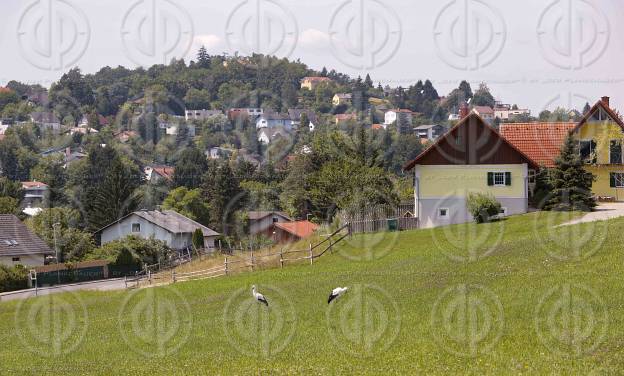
column 463, row 110
column 605, row 101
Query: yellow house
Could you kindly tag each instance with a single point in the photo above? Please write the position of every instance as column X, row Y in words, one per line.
column 341, row 98
column 471, row 157
column 311, row 83
column 601, row 134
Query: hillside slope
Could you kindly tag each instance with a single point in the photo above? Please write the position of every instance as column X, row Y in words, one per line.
column 517, row 296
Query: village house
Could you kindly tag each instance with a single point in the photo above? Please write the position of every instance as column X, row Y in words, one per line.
column 485, row 112
column 262, row 222
column 46, row 120
column 311, row 83
column 201, row 114
column 429, row 132
column 290, row 232
column 506, row 112
column 268, row 135
column 600, row 134
column 342, row 98
column 168, row 226
column 402, row 118
column 471, row 157
column 19, row 245
column 271, row 119
column 158, row 174
column 219, row 153
column 35, row 193
column 296, row 114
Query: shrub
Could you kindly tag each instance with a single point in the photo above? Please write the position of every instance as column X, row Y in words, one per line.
column 483, row 206
column 198, row 239
column 13, row 278
column 131, row 250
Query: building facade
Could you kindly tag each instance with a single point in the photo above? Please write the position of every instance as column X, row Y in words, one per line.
column 470, row 158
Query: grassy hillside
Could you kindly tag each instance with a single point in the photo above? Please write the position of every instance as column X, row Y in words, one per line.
column 517, row 296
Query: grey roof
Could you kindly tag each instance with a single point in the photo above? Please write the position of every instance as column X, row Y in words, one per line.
column 295, row 114
column 271, row 115
column 429, row 126
column 255, row 215
column 169, row 220
column 16, row 239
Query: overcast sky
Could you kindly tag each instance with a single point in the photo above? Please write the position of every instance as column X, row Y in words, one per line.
column 536, row 53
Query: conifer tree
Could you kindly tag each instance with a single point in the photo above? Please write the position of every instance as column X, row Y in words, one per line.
column 571, row 183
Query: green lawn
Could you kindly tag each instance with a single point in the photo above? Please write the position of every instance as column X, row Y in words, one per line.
column 514, row 297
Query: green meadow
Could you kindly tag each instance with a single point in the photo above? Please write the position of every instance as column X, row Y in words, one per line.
column 519, row 296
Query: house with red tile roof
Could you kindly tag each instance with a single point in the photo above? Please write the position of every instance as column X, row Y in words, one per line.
column 472, row 157
column 311, row 83
column 289, row 232
column 540, row 141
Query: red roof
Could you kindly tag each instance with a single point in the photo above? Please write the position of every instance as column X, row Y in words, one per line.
column 301, row 229
column 165, row 172
column 540, row 141
column 377, row 126
column 484, row 109
column 33, row 184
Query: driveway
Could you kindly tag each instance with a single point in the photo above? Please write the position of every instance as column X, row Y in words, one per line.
column 104, row 285
column 604, row 211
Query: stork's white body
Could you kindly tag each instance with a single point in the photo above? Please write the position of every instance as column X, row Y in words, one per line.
column 336, row 293
column 259, row 297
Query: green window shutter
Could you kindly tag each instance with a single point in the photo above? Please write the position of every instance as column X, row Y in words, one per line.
column 612, row 180
column 490, row 178
column 507, row 178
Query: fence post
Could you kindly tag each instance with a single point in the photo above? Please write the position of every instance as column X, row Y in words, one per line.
column 252, row 259
column 311, row 255
column 125, row 282
column 149, row 276
column 226, row 266
column 281, row 257
column 173, row 276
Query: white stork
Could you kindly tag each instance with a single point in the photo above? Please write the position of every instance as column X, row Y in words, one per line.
column 259, row 297
column 338, row 291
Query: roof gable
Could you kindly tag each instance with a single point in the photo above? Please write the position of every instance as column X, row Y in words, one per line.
column 16, row 239
column 599, row 105
column 471, row 142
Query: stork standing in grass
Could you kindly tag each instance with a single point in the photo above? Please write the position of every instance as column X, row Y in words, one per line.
column 259, row 297
column 338, row 291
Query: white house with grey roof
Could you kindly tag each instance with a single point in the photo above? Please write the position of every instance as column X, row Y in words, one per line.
column 168, row 226
column 19, row 245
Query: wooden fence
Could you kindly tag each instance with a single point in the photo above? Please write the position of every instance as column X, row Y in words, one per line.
column 380, row 218
column 251, row 263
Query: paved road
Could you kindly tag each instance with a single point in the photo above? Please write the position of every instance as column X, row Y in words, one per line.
column 105, row 285
column 603, row 212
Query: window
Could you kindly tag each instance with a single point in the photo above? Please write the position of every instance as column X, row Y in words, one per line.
column 587, row 150
column 275, row 219
column 615, row 152
column 443, row 212
column 617, row 180
column 499, row 178
column 136, row 227
column 16, row 259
